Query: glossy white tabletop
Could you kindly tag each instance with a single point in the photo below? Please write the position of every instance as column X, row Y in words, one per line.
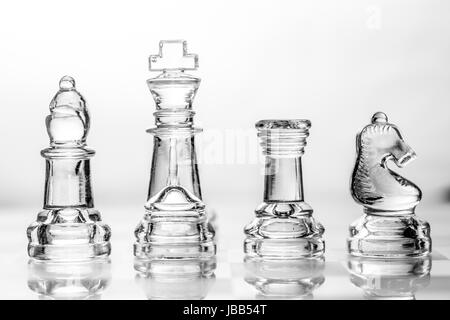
column 118, row 280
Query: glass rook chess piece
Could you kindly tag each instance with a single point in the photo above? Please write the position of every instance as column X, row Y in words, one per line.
column 284, row 226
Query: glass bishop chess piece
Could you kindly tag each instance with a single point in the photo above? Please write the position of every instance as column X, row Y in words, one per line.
column 84, row 280
column 389, row 226
column 175, row 224
column 284, row 278
column 284, row 226
column 176, row 279
column 69, row 228
column 390, row 279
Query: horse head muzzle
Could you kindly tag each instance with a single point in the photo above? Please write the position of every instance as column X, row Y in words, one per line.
column 406, row 158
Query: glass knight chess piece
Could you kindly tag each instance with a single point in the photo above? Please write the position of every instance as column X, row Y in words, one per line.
column 389, row 226
column 390, row 279
column 69, row 280
column 68, row 228
column 284, row 226
column 175, row 223
column 176, row 279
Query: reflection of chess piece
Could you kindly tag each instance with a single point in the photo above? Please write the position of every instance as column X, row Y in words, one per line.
column 69, row 280
column 284, row 217
column 389, row 227
column 175, row 223
column 390, row 278
column 69, row 228
column 176, row 279
column 285, row 278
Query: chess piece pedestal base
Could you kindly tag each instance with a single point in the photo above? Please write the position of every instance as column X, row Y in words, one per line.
column 176, row 279
column 378, row 235
column 284, row 279
column 68, row 234
column 66, row 281
column 169, row 235
column 297, row 235
column 390, row 279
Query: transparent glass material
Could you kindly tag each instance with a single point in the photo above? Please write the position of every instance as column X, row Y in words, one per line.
column 176, row 279
column 390, row 279
column 84, row 280
column 284, row 226
column 68, row 228
column 284, row 278
column 175, row 223
column 389, row 226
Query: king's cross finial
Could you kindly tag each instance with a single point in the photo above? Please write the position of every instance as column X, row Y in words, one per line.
column 173, row 56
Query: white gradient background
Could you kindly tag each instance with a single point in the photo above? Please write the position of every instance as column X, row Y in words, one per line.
column 333, row 62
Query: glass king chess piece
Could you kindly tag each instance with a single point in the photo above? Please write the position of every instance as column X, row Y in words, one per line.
column 175, row 224
column 69, row 228
column 284, row 226
column 389, row 226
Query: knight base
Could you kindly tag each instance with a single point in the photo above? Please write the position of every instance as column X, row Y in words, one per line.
column 389, row 236
column 389, row 279
column 165, row 236
column 68, row 235
column 292, row 236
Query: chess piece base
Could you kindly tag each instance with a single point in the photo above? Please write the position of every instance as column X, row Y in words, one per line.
column 389, row 236
column 72, row 280
column 389, row 279
column 284, row 279
column 289, row 237
column 169, row 235
column 68, row 234
column 174, row 278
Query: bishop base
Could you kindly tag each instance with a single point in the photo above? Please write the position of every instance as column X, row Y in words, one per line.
column 68, row 234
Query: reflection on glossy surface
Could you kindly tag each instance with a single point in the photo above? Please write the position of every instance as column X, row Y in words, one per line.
column 61, row 281
column 284, row 279
column 175, row 279
column 390, row 278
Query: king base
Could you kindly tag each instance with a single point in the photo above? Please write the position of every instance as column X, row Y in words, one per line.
column 166, row 237
column 389, row 236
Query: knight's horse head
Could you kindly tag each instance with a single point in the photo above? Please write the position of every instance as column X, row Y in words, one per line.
column 385, row 141
column 373, row 184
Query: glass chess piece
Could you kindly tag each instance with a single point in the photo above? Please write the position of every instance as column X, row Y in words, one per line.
column 390, row 279
column 284, row 278
column 389, row 226
column 176, row 279
column 175, row 223
column 284, row 226
column 68, row 228
column 85, row 280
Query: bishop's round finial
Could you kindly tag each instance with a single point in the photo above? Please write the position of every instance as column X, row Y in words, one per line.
column 379, row 117
column 67, row 83
column 68, row 122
